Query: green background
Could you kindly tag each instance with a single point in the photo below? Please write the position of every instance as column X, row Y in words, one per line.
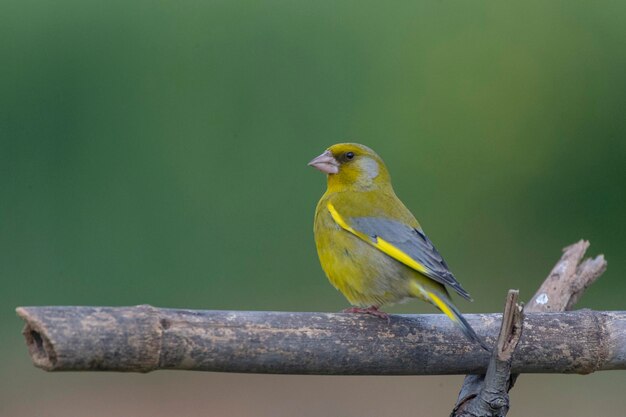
column 155, row 152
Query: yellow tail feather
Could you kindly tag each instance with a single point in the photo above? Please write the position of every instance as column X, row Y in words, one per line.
column 451, row 312
column 443, row 306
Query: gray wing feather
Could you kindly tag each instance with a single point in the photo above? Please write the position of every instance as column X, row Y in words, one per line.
column 414, row 243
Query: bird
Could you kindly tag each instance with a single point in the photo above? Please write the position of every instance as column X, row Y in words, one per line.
column 370, row 246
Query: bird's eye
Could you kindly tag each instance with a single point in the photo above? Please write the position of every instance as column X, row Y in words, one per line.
column 349, row 155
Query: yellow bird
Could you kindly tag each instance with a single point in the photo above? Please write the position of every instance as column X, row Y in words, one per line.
column 370, row 246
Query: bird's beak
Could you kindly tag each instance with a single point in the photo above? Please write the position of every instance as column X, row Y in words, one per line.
column 325, row 163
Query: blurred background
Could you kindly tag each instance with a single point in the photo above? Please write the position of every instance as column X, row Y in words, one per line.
column 155, row 152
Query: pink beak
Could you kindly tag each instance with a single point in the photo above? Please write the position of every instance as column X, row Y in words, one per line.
column 325, row 163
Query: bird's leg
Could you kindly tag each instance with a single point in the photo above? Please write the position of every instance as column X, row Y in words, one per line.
column 372, row 310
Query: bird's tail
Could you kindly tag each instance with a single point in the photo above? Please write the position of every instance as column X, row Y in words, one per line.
column 444, row 304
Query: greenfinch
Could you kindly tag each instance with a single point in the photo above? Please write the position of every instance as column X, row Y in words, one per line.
column 370, row 246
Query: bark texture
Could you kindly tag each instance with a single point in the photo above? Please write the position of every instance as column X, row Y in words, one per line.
column 568, row 280
column 488, row 395
column 563, row 287
column 145, row 338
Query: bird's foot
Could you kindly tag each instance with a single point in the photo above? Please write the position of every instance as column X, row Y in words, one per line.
column 373, row 310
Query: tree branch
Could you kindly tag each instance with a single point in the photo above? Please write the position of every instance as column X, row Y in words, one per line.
column 560, row 291
column 488, row 395
column 568, row 280
column 145, row 338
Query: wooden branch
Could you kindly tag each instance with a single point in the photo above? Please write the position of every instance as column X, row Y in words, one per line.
column 145, row 338
column 559, row 292
column 488, row 395
column 568, row 280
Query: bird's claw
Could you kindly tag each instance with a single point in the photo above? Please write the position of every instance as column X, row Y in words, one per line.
column 373, row 311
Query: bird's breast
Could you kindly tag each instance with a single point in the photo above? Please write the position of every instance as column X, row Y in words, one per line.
column 363, row 274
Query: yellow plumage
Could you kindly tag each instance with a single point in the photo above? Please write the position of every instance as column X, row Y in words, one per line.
column 370, row 246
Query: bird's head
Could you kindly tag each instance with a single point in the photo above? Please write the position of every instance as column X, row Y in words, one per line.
column 352, row 165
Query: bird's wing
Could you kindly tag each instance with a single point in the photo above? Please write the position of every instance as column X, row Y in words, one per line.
column 404, row 243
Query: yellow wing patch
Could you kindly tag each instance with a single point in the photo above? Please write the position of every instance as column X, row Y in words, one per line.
column 339, row 220
column 379, row 243
column 398, row 255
